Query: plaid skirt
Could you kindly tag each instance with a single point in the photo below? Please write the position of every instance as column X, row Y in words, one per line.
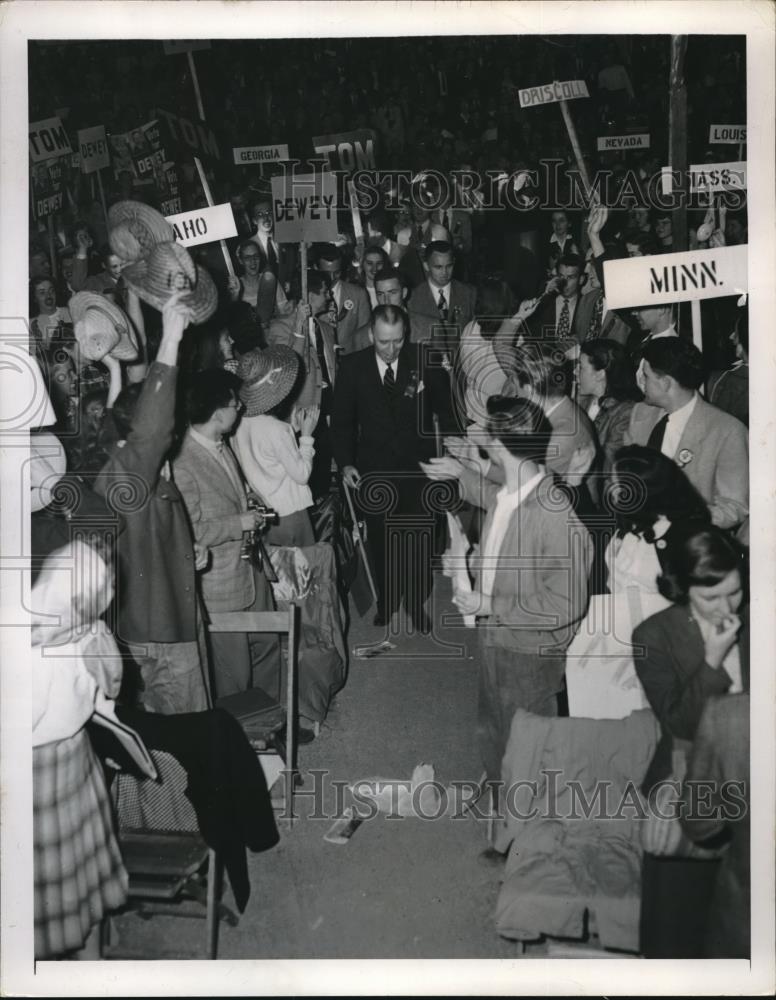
column 79, row 874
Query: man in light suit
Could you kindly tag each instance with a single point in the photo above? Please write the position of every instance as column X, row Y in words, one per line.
column 211, row 483
column 440, row 307
column 350, row 309
column 710, row 446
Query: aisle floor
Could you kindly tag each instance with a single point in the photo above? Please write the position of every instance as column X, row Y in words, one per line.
column 401, row 888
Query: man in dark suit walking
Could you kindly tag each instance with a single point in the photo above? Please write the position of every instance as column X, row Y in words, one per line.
column 382, row 428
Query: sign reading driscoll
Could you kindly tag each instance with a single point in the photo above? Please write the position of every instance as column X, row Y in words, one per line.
column 551, row 93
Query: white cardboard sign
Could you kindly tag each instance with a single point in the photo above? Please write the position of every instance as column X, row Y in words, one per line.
column 93, row 147
column 305, row 208
column 551, row 93
column 607, row 143
column 711, row 177
column 259, row 154
column 727, row 134
column 48, row 139
column 203, row 225
column 675, row 277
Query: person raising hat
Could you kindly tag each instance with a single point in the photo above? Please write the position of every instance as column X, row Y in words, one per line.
column 274, row 464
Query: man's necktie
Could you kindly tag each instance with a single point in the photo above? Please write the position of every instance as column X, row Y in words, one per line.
column 389, row 380
column 658, row 433
column 272, row 257
column 442, row 306
column 564, row 321
column 594, row 330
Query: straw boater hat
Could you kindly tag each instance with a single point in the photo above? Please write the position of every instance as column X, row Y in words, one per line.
column 168, row 268
column 135, row 228
column 101, row 328
column 267, row 378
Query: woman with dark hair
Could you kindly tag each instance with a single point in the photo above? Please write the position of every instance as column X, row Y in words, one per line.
column 648, row 494
column 606, row 376
column 693, row 650
column 50, row 319
column 275, row 465
column 255, row 287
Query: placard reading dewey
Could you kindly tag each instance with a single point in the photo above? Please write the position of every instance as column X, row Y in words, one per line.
column 727, row 133
column 675, row 277
column 305, row 208
column 551, row 93
column 711, row 177
column 609, row 142
column 93, row 147
column 203, row 225
column 48, row 139
column 259, row 154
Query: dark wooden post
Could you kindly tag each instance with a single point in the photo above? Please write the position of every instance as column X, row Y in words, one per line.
column 677, row 138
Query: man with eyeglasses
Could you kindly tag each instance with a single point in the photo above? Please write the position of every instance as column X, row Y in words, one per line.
column 273, row 257
column 211, row 483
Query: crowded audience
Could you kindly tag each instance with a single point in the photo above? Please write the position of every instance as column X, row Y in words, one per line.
column 210, row 414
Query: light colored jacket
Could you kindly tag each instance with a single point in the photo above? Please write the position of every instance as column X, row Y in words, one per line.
column 215, row 510
column 713, row 453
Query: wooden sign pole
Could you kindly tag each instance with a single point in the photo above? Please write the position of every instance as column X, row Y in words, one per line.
column 195, row 81
column 102, row 196
column 574, row 139
column 52, row 251
column 209, row 197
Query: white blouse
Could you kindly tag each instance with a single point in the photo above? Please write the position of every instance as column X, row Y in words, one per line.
column 273, row 464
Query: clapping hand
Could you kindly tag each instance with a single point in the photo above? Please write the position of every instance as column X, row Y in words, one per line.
column 308, row 420
column 445, row 467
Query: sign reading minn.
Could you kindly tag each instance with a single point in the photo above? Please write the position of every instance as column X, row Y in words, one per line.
column 305, row 208
column 675, row 277
column 551, row 93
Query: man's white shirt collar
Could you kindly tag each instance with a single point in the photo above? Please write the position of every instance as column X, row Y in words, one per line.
column 435, row 293
column 383, row 365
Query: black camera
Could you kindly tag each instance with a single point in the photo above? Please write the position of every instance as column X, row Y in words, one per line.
column 251, row 539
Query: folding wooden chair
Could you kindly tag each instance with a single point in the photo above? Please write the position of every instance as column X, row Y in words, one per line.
column 284, row 622
column 163, row 851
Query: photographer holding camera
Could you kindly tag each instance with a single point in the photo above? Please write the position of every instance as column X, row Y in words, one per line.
column 209, row 478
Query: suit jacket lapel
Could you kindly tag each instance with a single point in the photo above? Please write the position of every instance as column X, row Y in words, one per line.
column 695, row 429
column 221, row 478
